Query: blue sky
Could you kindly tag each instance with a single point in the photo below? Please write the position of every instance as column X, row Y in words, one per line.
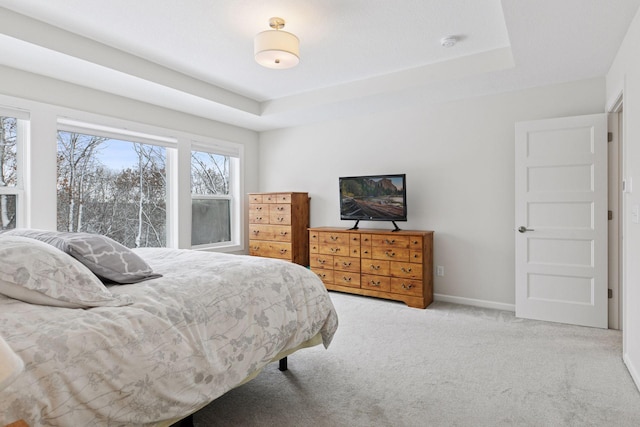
column 117, row 155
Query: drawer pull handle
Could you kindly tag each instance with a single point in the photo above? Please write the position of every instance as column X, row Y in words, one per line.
column 334, row 250
column 321, row 261
column 333, row 238
column 346, row 279
column 283, row 233
column 374, row 283
column 313, row 236
column 259, row 208
column 390, row 242
column 283, row 251
column 280, row 208
column 346, row 264
column 405, row 270
column 321, row 275
column 390, row 254
column 280, row 219
column 255, row 232
column 255, row 248
column 407, row 287
column 375, row 267
column 258, row 218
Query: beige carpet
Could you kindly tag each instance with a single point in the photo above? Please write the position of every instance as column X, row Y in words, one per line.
column 448, row 365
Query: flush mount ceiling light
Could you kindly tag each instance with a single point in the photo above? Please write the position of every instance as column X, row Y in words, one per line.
column 275, row 48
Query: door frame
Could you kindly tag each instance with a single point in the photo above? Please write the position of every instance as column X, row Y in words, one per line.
column 616, row 241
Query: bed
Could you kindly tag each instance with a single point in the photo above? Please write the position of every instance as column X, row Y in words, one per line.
column 155, row 351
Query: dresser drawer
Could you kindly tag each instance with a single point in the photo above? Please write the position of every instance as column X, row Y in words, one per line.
column 341, row 239
column 416, row 242
column 270, row 198
column 347, row 278
column 279, row 250
column 390, row 253
column 321, row 261
column 374, row 266
column 344, row 263
column 376, row 283
column 406, row 270
column 334, row 249
column 278, row 233
column 406, row 286
column 283, row 198
column 390, row 241
column 325, row 275
column 255, row 198
column 415, row 256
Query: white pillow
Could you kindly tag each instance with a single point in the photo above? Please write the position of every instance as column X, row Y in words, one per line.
column 38, row 273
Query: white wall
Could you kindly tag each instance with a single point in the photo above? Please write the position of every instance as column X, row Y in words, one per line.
column 624, row 76
column 459, row 161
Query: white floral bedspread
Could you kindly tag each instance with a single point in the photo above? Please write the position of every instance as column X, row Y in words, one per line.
column 210, row 321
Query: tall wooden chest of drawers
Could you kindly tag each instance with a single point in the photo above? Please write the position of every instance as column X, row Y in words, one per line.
column 395, row 265
column 278, row 224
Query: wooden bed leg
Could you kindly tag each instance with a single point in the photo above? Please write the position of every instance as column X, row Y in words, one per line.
column 283, row 364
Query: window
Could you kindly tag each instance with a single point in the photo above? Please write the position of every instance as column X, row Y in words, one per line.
column 113, row 185
column 12, row 140
column 214, row 210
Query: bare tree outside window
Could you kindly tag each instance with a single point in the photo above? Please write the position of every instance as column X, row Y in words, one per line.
column 8, row 170
column 210, row 198
column 112, row 187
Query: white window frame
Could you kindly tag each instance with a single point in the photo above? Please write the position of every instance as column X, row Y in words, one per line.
column 235, row 153
column 170, row 143
column 22, row 143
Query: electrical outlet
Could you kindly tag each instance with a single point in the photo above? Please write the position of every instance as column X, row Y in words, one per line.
column 440, row 270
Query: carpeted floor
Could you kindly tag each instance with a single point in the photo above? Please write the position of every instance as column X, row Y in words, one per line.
column 448, row 365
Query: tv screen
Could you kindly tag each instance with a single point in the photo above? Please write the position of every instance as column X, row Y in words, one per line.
column 373, row 198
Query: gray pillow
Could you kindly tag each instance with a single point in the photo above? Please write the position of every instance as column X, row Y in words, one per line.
column 105, row 257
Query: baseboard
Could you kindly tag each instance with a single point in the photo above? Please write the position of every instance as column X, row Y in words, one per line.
column 475, row 302
column 632, row 370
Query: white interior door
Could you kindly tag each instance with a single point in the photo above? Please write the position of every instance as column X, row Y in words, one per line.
column 561, row 220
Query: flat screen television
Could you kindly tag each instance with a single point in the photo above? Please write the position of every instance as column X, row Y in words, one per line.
column 373, row 198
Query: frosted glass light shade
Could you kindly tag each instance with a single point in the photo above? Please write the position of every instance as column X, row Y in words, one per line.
column 276, row 49
column 10, row 364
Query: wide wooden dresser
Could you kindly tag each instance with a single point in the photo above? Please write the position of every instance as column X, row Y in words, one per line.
column 396, row 265
column 278, row 224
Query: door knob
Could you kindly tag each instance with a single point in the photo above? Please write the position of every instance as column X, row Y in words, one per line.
column 524, row 229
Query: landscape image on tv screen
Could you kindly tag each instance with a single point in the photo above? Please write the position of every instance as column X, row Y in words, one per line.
column 373, row 198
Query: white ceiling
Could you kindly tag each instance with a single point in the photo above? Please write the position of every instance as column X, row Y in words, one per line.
column 356, row 55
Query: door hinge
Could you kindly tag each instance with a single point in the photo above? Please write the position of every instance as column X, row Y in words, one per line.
column 610, row 215
column 609, row 136
column 610, row 293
